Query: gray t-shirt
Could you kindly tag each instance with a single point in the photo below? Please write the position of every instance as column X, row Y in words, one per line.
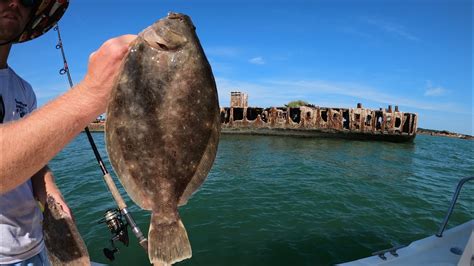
column 21, row 235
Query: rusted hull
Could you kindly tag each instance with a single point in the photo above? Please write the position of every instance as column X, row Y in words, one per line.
column 314, row 121
column 319, row 133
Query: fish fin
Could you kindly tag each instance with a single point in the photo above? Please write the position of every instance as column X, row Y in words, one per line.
column 167, row 241
column 204, row 166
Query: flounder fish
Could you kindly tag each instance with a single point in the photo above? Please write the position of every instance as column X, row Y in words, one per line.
column 63, row 242
column 163, row 127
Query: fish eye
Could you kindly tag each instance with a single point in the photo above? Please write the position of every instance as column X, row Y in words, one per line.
column 162, row 46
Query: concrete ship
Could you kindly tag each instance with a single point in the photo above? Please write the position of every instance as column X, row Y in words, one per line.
column 314, row 121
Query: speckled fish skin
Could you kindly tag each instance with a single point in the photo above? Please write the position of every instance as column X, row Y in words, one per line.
column 162, row 128
column 63, row 242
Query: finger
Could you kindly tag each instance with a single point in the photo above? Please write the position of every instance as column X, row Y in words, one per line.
column 128, row 38
column 92, row 55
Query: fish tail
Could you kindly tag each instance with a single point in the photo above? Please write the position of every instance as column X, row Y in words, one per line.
column 167, row 241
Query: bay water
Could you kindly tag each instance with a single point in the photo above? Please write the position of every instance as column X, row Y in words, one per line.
column 289, row 201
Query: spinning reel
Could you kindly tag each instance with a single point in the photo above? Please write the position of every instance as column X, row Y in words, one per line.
column 118, row 229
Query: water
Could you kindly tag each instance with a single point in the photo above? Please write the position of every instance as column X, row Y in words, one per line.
column 290, row 201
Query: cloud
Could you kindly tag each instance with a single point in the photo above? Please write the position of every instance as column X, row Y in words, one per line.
column 438, row 91
column 47, row 93
column 267, row 93
column 434, row 91
column 257, row 61
column 391, row 28
column 354, row 90
column 355, row 32
column 222, row 51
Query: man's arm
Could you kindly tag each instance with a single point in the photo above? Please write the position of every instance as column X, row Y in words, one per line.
column 30, row 143
column 44, row 186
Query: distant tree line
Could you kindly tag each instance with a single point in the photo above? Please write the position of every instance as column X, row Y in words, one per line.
column 298, row 103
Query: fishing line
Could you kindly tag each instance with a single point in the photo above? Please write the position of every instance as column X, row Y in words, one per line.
column 111, row 220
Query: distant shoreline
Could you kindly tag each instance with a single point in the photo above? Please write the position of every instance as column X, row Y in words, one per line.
column 99, row 127
column 443, row 133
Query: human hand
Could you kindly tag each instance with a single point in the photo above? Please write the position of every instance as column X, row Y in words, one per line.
column 104, row 66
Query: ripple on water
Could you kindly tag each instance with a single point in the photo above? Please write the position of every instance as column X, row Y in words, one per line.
column 290, row 201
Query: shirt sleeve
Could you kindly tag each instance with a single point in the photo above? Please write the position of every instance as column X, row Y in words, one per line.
column 31, row 96
column 33, row 103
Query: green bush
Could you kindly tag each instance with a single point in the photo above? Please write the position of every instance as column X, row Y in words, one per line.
column 298, row 103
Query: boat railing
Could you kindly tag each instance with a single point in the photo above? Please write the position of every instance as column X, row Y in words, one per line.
column 453, row 202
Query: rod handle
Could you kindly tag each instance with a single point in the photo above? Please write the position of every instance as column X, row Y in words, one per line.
column 115, row 193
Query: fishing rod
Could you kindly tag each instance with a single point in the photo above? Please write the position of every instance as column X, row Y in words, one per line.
column 113, row 218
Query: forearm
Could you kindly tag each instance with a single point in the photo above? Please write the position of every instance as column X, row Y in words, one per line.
column 30, row 143
column 44, row 185
column 46, row 191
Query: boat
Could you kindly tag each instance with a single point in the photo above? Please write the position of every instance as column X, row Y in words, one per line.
column 451, row 247
column 318, row 122
column 97, row 264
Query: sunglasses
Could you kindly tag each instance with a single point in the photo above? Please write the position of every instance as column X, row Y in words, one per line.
column 30, row 3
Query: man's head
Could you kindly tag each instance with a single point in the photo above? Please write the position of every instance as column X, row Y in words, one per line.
column 14, row 16
column 23, row 20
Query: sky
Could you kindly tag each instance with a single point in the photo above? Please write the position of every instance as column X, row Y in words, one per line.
column 415, row 54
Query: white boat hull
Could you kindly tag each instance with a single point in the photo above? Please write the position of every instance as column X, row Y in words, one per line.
column 432, row 250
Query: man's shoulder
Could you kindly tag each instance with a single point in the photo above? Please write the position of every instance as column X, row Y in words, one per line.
column 20, row 79
column 25, row 88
